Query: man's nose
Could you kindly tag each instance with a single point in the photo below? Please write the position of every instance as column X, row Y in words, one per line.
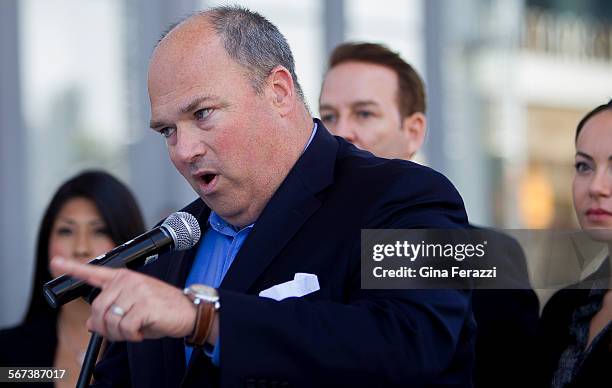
column 189, row 146
column 345, row 129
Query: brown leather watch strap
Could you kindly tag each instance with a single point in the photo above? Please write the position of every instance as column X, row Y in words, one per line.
column 203, row 324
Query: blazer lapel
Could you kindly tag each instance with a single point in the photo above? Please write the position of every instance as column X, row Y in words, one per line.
column 270, row 234
column 292, row 204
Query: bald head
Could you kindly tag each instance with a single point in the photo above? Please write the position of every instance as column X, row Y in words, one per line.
column 232, row 131
column 177, row 53
column 248, row 38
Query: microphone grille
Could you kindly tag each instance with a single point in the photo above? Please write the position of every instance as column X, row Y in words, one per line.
column 184, row 229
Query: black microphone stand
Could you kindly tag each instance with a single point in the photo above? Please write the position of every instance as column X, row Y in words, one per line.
column 93, row 349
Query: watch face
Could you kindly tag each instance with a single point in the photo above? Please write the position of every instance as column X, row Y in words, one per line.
column 204, row 292
column 201, row 289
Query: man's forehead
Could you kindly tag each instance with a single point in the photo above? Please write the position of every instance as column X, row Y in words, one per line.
column 358, row 86
column 351, row 69
column 193, row 37
column 352, row 102
column 182, row 61
column 193, row 29
column 351, row 76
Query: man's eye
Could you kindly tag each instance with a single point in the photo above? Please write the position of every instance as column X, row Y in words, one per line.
column 328, row 118
column 202, row 113
column 167, row 132
column 364, row 114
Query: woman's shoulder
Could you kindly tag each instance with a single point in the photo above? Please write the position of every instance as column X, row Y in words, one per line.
column 31, row 343
column 564, row 302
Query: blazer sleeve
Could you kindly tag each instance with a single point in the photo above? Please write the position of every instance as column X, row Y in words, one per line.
column 113, row 369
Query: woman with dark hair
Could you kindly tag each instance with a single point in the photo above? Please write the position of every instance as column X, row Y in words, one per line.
column 88, row 215
column 575, row 327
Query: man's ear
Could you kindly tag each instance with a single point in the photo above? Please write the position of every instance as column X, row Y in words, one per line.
column 281, row 90
column 413, row 128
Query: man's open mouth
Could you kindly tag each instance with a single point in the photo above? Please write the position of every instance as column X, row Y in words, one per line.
column 207, row 178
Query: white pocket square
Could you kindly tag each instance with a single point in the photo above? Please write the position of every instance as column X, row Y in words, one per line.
column 302, row 284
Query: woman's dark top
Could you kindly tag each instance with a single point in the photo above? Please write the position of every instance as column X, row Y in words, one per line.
column 33, row 343
column 563, row 335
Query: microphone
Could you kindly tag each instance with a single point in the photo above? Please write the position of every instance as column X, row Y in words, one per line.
column 180, row 231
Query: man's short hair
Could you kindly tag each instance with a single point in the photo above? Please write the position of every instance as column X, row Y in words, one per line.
column 251, row 40
column 411, row 91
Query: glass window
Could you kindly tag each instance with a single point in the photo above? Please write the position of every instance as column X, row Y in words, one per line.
column 73, row 90
column 399, row 25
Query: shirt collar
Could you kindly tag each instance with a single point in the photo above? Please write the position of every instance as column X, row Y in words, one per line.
column 220, row 225
column 312, row 135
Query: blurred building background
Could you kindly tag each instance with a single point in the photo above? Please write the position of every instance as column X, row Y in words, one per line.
column 507, row 80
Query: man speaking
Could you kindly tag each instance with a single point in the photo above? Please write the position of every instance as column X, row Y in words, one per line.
column 272, row 290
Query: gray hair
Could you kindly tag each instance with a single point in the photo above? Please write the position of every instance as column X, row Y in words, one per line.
column 252, row 41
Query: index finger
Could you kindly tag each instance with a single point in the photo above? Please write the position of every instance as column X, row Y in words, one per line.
column 94, row 275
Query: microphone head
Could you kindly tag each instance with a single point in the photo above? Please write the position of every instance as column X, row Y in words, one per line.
column 184, row 229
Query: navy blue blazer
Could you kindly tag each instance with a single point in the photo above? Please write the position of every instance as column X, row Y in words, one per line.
column 341, row 335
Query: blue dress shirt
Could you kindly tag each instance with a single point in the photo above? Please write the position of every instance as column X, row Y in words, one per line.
column 218, row 249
